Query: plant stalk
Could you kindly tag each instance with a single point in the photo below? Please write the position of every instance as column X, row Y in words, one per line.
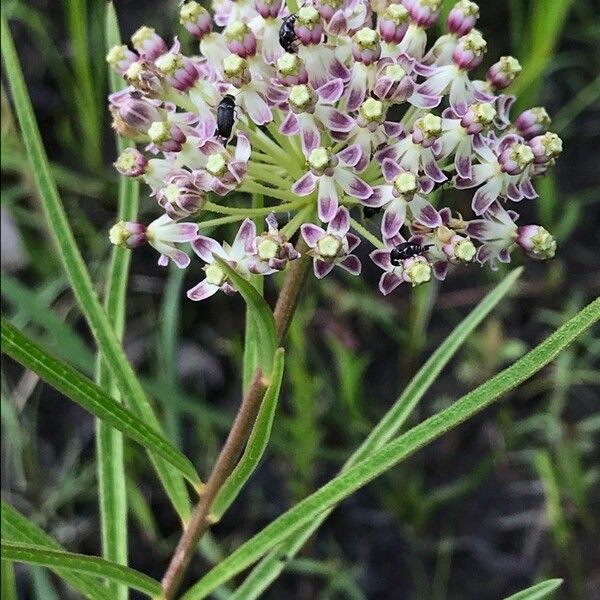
column 240, row 430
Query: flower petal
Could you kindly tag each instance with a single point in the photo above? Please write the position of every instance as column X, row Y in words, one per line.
column 205, row 247
column 305, row 185
column 340, row 224
column 202, row 290
column 381, row 258
column 322, row 268
column 328, row 199
column 331, row 91
column 388, row 283
column 312, row 234
column 351, row 264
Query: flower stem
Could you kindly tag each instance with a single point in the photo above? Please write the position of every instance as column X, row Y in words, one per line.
column 238, row 435
column 366, row 233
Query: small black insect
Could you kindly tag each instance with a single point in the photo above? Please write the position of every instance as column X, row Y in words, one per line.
column 225, row 116
column 287, row 34
column 406, row 250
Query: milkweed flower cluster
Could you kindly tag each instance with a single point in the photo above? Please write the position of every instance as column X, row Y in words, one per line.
column 348, row 120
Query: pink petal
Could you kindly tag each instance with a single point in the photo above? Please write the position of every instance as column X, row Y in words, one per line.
column 353, row 241
column 305, row 185
column 310, row 136
column 322, row 268
column 243, row 148
column 290, row 124
column 424, row 212
column 350, row 155
column 393, row 219
column 388, row 283
column 390, row 169
column 331, row 91
column 351, row 264
column 246, row 233
column 202, row 290
column 335, row 120
column 340, row 224
column 351, row 184
column 328, row 199
column 205, row 247
column 485, row 196
column 311, row 234
column 440, row 270
column 381, row 258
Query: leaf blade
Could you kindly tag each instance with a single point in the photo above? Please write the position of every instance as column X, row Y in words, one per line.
column 538, row 591
column 90, row 565
column 393, row 452
column 87, row 394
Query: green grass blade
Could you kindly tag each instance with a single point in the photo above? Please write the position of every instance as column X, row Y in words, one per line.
column 257, row 442
column 88, row 395
column 537, row 592
column 261, row 313
column 17, row 529
column 8, row 586
column 107, row 340
column 90, row 565
column 389, row 455
column 271, row 566
column 109, row 441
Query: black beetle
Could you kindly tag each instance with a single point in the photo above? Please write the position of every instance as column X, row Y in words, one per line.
column 225, row 116
column 287, row 34
column 406, row 250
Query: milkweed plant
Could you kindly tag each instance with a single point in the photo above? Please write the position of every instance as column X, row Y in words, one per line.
column 320, row 129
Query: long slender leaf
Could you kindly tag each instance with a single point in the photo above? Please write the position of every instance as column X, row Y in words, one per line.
column 109, row 441
column 75, row 268
column 87, row 394
column 365, row 471
column 257, row 442
column 8, row 587
column 271, row 566
column 90, row 565
column 261, row 313
column 16, row 528
column 538, row 591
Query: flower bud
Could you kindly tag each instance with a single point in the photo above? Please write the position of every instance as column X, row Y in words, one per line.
column 268, row 9
column 133, row 115
column 120, row 58
column 291, row 69
column 236, row 70
column 501, row 74
column 479, row 116
column 546, row 147
column 148, row 43
column 423, row 13
column 145, row 78
column 532, row 122
column 181, row 196
column 240, row 39
column 516, row 158
column 536, row 242
column 427, row 130
column 393, row 23
column 460, row 249
column 469, row 51
column 127, row 234
column 309, row 26
column 365, row 46
column 327, row 8
column 131, row 163
column 166, row 136
column 462, row 17
column 178, row 70
column 196, row 19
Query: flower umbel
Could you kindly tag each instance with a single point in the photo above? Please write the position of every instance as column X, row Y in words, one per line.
column 307, row 122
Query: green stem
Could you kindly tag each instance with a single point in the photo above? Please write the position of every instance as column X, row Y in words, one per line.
column 366, row 234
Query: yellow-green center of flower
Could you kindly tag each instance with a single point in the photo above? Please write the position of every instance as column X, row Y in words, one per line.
column 395, row 72
column 396, row 13
column 308, row 15
column 366, row 38
column 334, row 3
column 126, row 161
column 267, row 248
column 215, row 275
column 289, row 64
column 552, row 144
column 406, row 183
column 329, row 246
column 522, row 155
column 418, row 272
column 115, row 55
column 216, row 164
column 510, row 66
column 432, row 4
column 468, row 8
column 134, row 71
column 485, row 113
column 319, row 159
column 430, row 125
column 301, row 96
column 190, row 12
column 475, row 42
column 234, row 65
column 541, row 116
column 372, row 110
column 465, row 250
column 544, row 245
column 159, row 132
column 118, row 234
column 238, row 30
column 142, row 35
column 171, row 193
column 168, row 63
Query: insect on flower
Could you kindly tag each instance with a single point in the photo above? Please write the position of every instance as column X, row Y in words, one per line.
column 287, row 34
column 406, row 250
column 226, row 117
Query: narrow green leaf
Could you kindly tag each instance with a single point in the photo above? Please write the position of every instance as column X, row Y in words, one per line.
column 271, row 566
column 88, row 395
column 109, row 441
column 16, row 528
column 538, row 591
column 8, row 587
column 261, row 313
column 108, row 342
column 90, row 565
column 389, row 455
column 257, row 442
